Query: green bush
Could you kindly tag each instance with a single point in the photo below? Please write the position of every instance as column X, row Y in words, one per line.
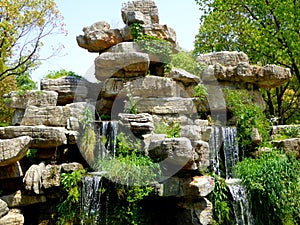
column 273, row 185
column 61, row 73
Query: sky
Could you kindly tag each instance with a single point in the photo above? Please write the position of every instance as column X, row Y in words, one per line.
column 181, row 15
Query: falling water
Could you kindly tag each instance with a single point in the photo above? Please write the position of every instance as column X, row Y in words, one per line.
column 93, row 205
column 215, row 144
column 231, row 149
column 241, row 204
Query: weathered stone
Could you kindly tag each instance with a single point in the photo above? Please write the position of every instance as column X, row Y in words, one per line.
column 42, row 137
column 178, row 151
column 201, row 123
column 256, row 138
column 201, row 211
column 183, row 76
column 69, row 88
column 192, row 132
column 112, row 87
column 69, row 167
column 17, row 117
column 204, row 185
column 20, row 199
column 55, row 116
column 274, row 76
column 126, row 34
column 224, row 58
column 34, row 98
column 33, row 178
column 11, row 171
column 3, row 208
column 139, row 124
column 160, row 31
column 289, row 145
column 202, row 156
column 99, row 37
column 13, row 150
column 277, row 130
column 122, row 65
column 174, row 105
column 145, row 12
column 14, row 217
column 50, row 176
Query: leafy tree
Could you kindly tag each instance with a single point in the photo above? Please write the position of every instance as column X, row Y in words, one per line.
column 24, row 24
column 268, row 31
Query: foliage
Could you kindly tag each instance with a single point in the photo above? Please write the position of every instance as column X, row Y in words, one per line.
column 6, row 85
column 267, row 31
column 152, row 45
column 186, row 60
column 23, row 27
column 69, row 208
column 288, row 132
column 132, row 173
column 248, row 116
column 272, row 182
column 171, row 129
column 200, row 91
column 87, row 141
column 25, row 82
column 61, row 73
column 222, row 211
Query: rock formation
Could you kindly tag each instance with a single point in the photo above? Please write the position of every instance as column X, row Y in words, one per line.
column 49, row 120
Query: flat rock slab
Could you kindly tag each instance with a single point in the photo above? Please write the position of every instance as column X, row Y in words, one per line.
column 13, row 217
column 13, row 150
column 42, row 137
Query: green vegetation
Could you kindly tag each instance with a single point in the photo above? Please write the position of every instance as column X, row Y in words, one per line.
column 267, row 32
column 272, row 182
column 248, row 116
column 132, row 174
column 171, row 129
column 288, row 132
column 222, row 208
column 68, row 209
column 61, row 73
column 24, row 26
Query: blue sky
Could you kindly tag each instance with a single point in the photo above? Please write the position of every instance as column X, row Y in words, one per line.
column 181, row 15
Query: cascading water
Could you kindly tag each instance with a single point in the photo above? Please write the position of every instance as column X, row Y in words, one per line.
column 231, row 149
column 223, row 143
column 94, row 206
column 241, row 204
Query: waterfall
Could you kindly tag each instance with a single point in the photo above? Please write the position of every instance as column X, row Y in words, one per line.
column 106, row 139
column 215, row 144
column 241, row 206
column 230, row 148
column 94, row 206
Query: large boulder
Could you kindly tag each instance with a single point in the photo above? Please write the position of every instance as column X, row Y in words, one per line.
column 145, row 12
column 13, row 150
column 3, row 208
column 69, row 88
column 13, row 217
column 18, row 100
column 21, row 198
column 99, row 37
column 121, row 64
column 42, row 137
column 14, row 170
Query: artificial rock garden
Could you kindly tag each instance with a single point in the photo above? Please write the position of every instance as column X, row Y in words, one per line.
column 134, row 90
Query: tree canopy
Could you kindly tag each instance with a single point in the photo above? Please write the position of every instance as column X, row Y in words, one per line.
column 24, row 24
column 267, row 31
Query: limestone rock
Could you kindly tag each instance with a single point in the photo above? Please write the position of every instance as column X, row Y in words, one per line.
column 33, row 178
column 14, row 217
column 69, row 88
column 202, row 156
column 174, row 105
column 99, row 37
column 17, row 117
column 204, row 184
column 42, row 137
column 55, row 116
column 69, row 167
column 13, row 150
column 192, row 132
column 224, row 58
column 50, row 176
column 160, row 31
column 201, row 211
column 289, row 145
column 3, row 208
column 145, row 12
column 20, row 199
column 122, row 65
column 18, row 100
column 139, row 124
column 183, row 76
column 177, row 151
column 13, row 170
